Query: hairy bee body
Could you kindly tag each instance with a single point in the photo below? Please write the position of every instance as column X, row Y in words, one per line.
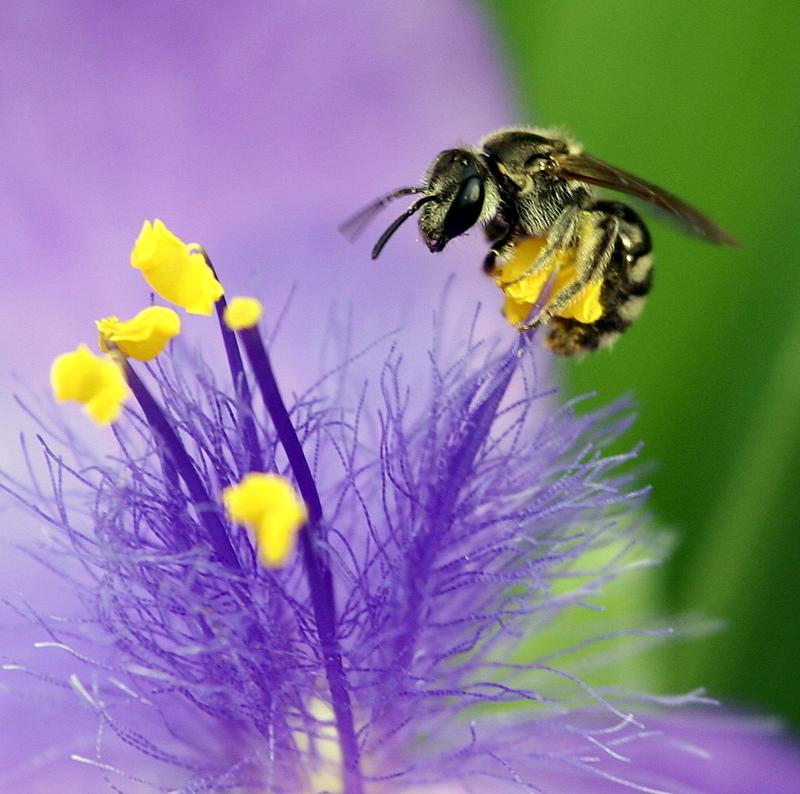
column 627, row 280
column 531, row 183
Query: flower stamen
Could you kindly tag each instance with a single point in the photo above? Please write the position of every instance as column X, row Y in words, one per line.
column 269, row 505
column 318, row 571
column 177, row 271
column 95, row 381
column 144, row 336
column 240, row 384
column 206, row 511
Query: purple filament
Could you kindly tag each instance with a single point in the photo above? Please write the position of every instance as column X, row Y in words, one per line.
column 186, row 471
column 319, row 575
column 240, row 384
column 178, row 462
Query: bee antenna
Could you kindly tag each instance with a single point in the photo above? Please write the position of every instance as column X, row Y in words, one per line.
column 397, row 222
column 352, row 227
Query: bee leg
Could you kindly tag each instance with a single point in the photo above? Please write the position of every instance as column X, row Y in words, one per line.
column 561, row 234
column 498, row 244
column 598, row 237
column 496, row 227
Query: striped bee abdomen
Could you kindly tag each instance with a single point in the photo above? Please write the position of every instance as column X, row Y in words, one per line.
column 627, row 279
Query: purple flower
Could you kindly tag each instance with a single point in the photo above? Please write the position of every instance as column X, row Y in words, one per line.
column 434, row 537
column 445, row 523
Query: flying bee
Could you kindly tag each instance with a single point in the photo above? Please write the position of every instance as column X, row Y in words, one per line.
column 564, row 257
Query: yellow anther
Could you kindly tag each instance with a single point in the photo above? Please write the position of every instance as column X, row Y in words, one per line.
column 95, row 381
column 269, row 505
column 144, row 336
column 177, row 271
column 242, row 313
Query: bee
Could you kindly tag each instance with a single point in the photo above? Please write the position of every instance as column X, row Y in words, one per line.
column 535, row 183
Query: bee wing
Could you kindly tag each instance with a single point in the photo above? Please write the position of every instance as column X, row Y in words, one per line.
column 587, row 168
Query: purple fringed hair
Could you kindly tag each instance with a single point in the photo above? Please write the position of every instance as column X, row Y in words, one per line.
column 454, row 519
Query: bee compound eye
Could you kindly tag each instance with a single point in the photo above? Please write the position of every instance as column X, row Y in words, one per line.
column 466, row 207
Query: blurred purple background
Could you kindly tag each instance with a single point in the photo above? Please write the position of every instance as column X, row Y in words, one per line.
column 254, row 131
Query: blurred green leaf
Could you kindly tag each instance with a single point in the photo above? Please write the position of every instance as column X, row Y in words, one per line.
column 700, row 98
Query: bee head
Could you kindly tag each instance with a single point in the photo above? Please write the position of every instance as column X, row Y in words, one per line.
column 453, row 198
column 456, row 184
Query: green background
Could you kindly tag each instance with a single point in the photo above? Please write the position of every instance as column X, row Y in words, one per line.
column 703, row 99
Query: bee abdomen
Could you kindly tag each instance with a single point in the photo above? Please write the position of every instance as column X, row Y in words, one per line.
column 627, row 280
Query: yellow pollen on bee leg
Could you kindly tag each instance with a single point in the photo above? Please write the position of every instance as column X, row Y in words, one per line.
column 521, row 295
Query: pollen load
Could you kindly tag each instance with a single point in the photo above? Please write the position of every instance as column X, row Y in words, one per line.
column 523, row 293
column 600, row 311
